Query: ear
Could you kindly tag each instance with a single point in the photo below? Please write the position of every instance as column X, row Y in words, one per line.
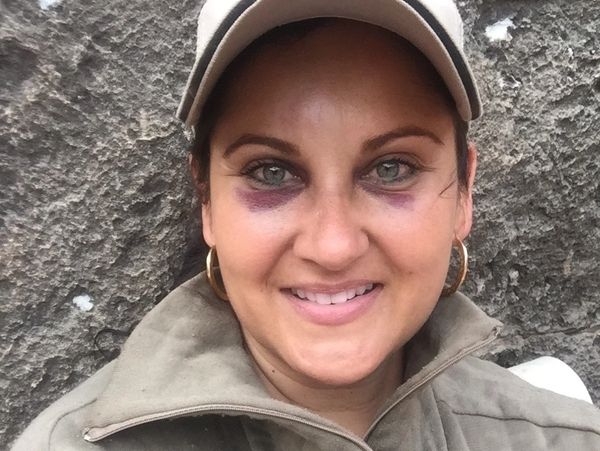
column 194, row 169
column 205, row 205
column 464, row 220
column 207, row 228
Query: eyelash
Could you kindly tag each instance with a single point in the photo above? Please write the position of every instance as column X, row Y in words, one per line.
column 412, row 169
column 252, row 167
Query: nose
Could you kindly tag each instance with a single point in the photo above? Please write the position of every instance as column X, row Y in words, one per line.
column 332, row 234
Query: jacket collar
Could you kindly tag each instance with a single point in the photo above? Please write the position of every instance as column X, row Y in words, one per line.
column 187, row 357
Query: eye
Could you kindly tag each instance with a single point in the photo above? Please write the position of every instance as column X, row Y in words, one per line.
column 270, row 173
column 390, row 171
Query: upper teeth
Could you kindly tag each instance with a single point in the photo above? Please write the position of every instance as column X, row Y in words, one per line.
column 334, row 298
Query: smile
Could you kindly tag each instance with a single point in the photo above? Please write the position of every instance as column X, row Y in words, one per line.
column 332, row 298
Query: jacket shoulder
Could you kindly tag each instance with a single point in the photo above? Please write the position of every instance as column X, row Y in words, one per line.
column 64, row 418
column 479, row 393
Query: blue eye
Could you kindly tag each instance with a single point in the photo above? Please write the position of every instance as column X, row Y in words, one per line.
column 270, row 174
column 390, row 171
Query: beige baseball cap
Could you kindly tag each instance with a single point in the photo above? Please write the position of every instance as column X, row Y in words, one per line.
column 227, row 27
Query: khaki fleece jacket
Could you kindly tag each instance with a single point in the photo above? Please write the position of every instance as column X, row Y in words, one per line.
column 184, row 382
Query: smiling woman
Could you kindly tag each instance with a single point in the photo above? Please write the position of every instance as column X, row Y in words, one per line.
column 333, row 161
column 332, row 164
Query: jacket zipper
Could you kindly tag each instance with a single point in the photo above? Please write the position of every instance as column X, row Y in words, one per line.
column 92, row 437
column 434, row 373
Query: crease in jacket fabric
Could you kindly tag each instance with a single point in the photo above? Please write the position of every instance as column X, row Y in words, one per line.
column 184, row 381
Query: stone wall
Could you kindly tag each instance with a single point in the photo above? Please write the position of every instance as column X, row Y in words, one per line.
column 95, row 203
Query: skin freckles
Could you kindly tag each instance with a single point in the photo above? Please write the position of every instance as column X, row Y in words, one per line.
column 352, row 163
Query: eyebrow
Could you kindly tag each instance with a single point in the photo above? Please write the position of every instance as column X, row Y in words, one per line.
column 288, row 148
column 400, row 132
column 269, row 141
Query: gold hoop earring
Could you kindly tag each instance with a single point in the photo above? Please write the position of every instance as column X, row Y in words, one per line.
column 211, row 259
column 462, row 271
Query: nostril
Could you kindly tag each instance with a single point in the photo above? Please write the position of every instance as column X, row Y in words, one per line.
column 338, row 253
column 333, row 252
column 334, row 237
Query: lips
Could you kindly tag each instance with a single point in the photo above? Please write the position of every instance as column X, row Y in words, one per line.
column 333, row 305
column 335, row 297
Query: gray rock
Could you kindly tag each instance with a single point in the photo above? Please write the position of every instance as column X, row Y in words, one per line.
column 95, row 199
column 536, row 243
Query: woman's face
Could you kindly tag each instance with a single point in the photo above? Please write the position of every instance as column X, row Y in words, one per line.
column 334, row 201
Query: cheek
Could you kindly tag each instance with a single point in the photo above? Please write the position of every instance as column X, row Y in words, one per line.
column 412, row 227
column 252, row 230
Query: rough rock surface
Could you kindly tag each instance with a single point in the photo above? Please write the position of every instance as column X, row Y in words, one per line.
column 95, row 203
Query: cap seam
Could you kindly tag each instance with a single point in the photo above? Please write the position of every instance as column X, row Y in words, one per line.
column 454, row 53
column 197, row 75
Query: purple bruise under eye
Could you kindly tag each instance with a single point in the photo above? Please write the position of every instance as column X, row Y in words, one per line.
column 260, row 200
column 394, row 199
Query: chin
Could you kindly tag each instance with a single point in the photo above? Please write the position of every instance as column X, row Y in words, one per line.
column 339, row 372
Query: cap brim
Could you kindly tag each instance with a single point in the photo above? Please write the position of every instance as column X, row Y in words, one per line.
column 410, row 19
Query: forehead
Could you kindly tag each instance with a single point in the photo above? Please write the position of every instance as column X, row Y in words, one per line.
column 342, row 39
column 339, row 59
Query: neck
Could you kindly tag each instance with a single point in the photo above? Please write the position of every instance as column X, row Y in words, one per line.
column 351, row 406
